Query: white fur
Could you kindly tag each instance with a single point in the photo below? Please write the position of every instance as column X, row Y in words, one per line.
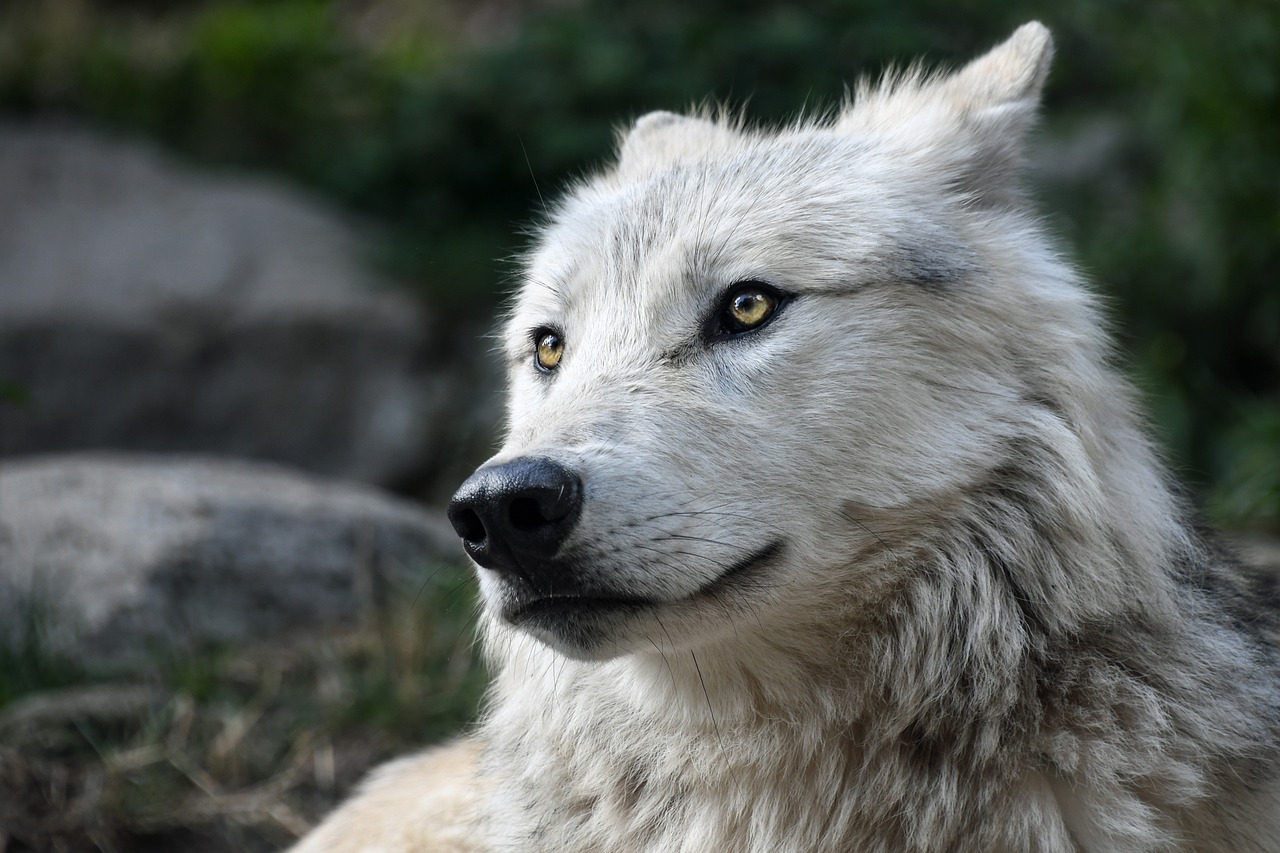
column 989, row 626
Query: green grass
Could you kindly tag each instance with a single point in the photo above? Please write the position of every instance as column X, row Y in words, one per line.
column 26, row 663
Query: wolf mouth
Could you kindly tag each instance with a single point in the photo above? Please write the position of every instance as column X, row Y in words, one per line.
column 556, row 608
column 550, row 609
column 741, row 570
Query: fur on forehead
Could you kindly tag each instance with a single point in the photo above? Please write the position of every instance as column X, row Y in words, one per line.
column 962, row 131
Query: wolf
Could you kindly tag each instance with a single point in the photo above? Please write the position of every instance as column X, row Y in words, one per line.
column 824, row 522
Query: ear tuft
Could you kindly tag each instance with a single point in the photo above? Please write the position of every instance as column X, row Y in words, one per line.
column 968, row 127
column 652, row 122
column 1010, row 72
column 662, row 138
column 996, row 97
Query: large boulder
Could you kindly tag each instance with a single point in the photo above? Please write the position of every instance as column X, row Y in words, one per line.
column 114, row 554
column 148, row 306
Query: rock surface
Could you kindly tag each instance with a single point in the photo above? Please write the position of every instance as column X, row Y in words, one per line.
column 147, row 306
column 116, row 554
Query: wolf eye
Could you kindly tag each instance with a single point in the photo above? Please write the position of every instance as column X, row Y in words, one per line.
column 548, row 349
column 749, row 305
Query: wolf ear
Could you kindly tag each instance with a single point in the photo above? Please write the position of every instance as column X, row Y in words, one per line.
column 1006, row 79
column 662, row 138
column 972, row 123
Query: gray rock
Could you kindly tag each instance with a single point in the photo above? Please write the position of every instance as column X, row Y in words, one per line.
column 147, row 306
column 115, row 554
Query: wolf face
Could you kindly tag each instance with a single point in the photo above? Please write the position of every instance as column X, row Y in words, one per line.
column 742, row 359
column 823, row 523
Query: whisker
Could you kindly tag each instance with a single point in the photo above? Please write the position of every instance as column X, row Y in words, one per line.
column 671, row 672
column 850, row 517
column 705, row 694
column 440, row 568
column 686, row 537
column 466, row 627
column 453, row 591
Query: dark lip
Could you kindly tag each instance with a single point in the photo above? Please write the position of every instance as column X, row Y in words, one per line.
column 741, row 569
column 560, row 607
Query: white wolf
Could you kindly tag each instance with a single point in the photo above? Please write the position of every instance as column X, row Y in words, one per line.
column 823, row 522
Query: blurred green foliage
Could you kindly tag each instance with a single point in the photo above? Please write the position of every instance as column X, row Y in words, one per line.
column 1163, row 120
column 26, row 663
column 13, row 394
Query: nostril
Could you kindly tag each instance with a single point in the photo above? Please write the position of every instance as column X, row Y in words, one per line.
column 467, row 524
column 525, row 514
column 513, row 515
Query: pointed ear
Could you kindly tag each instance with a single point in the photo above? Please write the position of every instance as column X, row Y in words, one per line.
column 971, row 124
column 662, row 138
column 997, row 97
column 1007, row 78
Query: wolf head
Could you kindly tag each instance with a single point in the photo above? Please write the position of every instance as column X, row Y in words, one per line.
column 749, row 368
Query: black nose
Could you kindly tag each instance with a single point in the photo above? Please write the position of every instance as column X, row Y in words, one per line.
column 515, row 516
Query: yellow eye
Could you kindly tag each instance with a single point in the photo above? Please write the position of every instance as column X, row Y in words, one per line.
column 548, row 350
column 748, row 307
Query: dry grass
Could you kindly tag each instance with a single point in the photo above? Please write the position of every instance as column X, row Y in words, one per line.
column 237, row 749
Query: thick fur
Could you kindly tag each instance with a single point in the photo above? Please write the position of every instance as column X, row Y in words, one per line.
column 924, row 585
